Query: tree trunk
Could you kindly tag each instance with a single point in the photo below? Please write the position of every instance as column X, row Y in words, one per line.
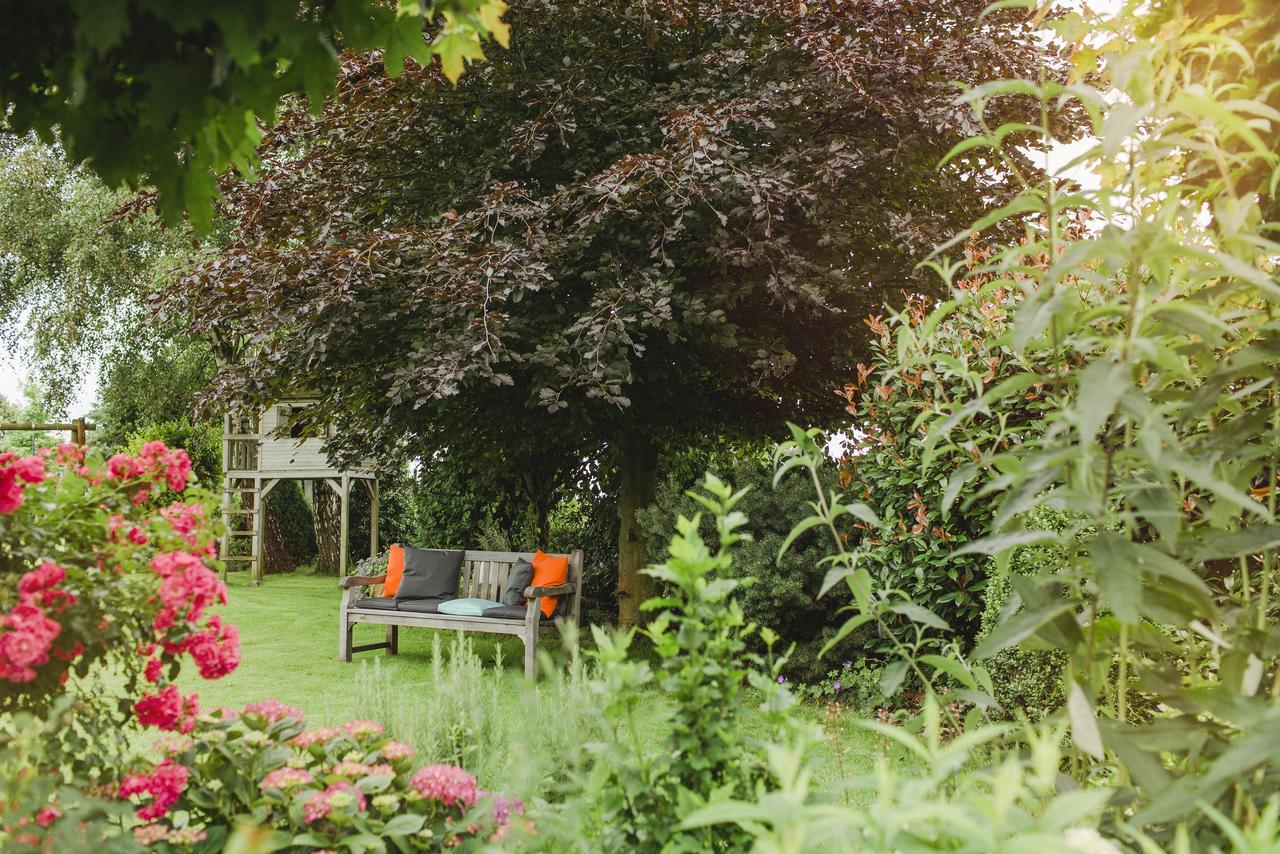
column 275, row 554
column 328, row 511
column 637, row 485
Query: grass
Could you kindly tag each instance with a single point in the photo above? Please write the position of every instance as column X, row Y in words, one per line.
column 450, row 702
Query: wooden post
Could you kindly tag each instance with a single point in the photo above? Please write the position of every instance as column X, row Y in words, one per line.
column 344, row 525
column 256, row 563
column 373, row 517
column 224, row 547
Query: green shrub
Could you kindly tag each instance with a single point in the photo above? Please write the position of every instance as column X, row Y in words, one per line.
column 203, row 443
column 1026, row 679
column 294, row 521
column 700, row 637
column 784, row 592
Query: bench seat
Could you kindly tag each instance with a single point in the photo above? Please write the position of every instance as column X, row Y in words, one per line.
column 484, row 576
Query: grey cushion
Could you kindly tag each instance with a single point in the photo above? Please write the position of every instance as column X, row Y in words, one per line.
column 386, row 603
column 429, row 574
column 511, row 612
column 520, row 577
column 422, row 606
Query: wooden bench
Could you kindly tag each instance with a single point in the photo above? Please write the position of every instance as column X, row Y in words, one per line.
column 484, row 576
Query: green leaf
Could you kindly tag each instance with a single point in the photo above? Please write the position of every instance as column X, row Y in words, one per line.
column 1018, row 628
column 1226, row 544
column 455, row 46
column 951, row 667
column 1119, row 577
column 1000, row 542
column 801, row 526
column 920, row 614
column 1099, row 388
column 1034, row 315
column 891, row 678
column 404, row 824
column 850, row 625
column 1084, row 725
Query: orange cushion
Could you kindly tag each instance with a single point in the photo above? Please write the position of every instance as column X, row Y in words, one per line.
column 395, row 571
column 549, row 571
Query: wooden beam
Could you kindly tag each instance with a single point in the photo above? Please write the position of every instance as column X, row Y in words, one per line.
column 258, row 519
column 27, row 426
column 344, row 529
column 373, row 517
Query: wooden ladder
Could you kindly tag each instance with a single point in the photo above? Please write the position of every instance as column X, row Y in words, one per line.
column 236, row 455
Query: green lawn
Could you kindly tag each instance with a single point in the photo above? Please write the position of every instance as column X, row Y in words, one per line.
column 289, row 645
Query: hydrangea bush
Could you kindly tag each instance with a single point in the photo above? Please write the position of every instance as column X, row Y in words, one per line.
column 325, row 788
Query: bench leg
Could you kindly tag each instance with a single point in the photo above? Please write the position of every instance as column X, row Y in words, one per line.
column 531, row 653
column 344, row 639
column 393, row 640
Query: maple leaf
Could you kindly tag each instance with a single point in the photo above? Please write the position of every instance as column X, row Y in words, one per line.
column 455, row 45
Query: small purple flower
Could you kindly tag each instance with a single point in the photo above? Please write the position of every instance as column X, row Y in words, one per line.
column 782, row 680
column 848, row 664
column 837, row 687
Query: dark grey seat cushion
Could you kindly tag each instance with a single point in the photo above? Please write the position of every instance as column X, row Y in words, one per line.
column 429, row 574
column 511, row 612
column 520, row 577
column 385, row 603
column 422, row 606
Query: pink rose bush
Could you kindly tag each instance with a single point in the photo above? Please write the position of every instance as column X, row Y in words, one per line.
column 127, row 575
column 105, row 568
column 108, row 587
column 321, row 785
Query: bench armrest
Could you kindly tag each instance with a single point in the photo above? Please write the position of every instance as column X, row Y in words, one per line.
column 359, row 580
column 558, row 590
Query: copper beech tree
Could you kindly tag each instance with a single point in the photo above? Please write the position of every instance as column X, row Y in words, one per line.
column 642, row 224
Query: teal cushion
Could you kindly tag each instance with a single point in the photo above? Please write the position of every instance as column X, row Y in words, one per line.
column 467, row 607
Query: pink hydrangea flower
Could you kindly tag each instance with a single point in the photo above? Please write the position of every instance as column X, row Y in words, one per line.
column 172, row 745
column 504, row 806
column 15, row 474
column 184, row 519
column 447, row 784
column 148, row 835
column 124, row 467
column 394, row 751
column 339, row 796
column 315, row 736
column 165, row 784
column 273, row 710
column 362, row 729
column 43, row 577
column 287, row 778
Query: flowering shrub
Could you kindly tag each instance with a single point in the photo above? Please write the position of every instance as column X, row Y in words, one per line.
column 104, row 572
column 323, row 788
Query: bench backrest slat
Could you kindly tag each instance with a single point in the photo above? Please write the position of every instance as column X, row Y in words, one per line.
column 485, row 573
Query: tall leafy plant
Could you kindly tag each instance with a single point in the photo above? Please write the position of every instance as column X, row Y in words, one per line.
column 1153, row 332
column 1148, row 322
column 700, row 636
